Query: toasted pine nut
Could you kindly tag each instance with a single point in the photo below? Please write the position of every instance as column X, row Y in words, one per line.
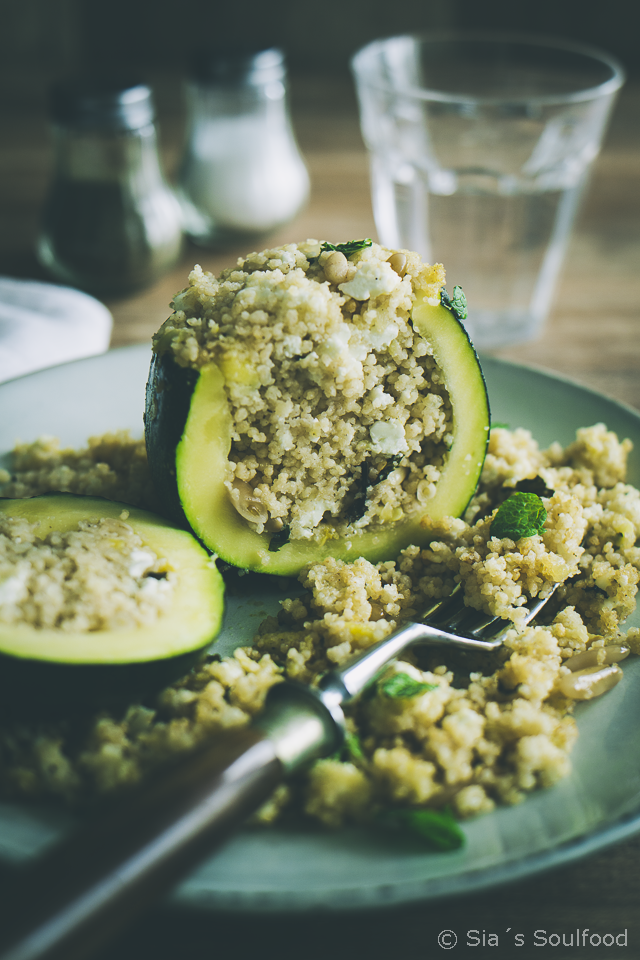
column 336, row 267
column 425, row 491
column 398, row 262
column 589, row 683
column 247, row 503
column 274, row 525
column 598, row 656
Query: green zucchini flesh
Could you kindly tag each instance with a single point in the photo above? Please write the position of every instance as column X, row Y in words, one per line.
column 188, row 433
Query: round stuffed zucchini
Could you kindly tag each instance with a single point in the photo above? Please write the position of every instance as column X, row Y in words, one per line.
column 99, row 601
column 371, row 383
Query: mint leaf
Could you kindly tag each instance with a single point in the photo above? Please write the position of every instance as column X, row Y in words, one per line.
column 351, row 246
column 521, row 515
column 402, row 685
column 352, row 746
column 457, row 304
column 350, row 749
column 439, row 828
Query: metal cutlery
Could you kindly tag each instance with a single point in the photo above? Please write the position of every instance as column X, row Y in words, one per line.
column 86, row 889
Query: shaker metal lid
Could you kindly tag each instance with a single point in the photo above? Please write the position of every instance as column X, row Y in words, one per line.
column 102, row 102
column 237, row 65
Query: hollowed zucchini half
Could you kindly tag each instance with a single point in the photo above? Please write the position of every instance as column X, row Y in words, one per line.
column 45, row 667
column 188, row 434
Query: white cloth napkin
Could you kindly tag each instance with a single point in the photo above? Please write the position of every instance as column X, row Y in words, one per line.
column 42, row 324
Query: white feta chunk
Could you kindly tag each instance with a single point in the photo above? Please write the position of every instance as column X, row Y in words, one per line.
column 387, row 437
column 14, row 588
column 378, row 398
column 139, row 562
column 371, row 280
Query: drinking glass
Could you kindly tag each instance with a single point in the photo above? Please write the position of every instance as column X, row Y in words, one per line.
column 480, row 147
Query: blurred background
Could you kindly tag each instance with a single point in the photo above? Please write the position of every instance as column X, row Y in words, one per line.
column 43, row 40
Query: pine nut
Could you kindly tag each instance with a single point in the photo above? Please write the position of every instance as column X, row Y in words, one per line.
column 248, row 505
column 336, row 267
column 589, row 683
column 398, row 262
column 598, row 656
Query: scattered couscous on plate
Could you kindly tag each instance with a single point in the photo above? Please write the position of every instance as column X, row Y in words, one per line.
column 439, row 729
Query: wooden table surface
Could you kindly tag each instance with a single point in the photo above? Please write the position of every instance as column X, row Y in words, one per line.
column 591, row 337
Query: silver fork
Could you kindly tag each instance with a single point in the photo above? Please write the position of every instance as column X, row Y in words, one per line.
column 446, row 622
column 83, row 892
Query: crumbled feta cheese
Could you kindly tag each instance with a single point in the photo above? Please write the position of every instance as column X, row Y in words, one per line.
column 152, row 586
column 388, row 437
column 371, row 279
column 291, row 345
column 381, row 333
column 139, row 562
column 14, row 589
column 378, row 398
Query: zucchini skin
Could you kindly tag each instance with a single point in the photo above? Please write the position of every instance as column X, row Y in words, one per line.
column 37, row 689
column 167, row 403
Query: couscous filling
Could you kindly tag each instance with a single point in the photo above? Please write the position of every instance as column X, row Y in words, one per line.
column 99, row 576
column 340, row 415
column 436, row 730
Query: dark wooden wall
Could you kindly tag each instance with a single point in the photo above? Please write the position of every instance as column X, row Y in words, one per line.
column 44, row 38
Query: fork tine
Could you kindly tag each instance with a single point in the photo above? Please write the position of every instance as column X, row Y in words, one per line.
column 447, row 622
column 452, row 614
column 441, row 611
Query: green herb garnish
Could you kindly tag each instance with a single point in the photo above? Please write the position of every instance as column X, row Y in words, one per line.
column 350, row 749
column 521, row 515
column 439, row 828
column 504, row 425
column 457, row 304
column 351, row 246
column 402, row 685
column 352, row 746
column 279, row 539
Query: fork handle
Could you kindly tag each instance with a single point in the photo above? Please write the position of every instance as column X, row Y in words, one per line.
column 88, row 888
column 85, row 890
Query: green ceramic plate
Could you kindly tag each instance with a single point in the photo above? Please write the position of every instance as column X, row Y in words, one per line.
column 288, row 870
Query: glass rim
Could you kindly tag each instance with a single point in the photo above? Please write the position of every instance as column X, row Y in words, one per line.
column 361, row 68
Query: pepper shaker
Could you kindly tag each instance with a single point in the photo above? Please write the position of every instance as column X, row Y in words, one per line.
column 110, row 224
column 242, row 174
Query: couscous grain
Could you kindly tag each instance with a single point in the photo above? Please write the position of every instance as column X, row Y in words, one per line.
column 436, row 730
column 340, row 416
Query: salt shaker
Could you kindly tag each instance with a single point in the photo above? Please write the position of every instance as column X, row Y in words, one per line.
column 242, row 174
column 111, row 224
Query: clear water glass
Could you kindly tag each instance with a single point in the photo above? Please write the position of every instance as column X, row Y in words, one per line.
column 480, row 147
